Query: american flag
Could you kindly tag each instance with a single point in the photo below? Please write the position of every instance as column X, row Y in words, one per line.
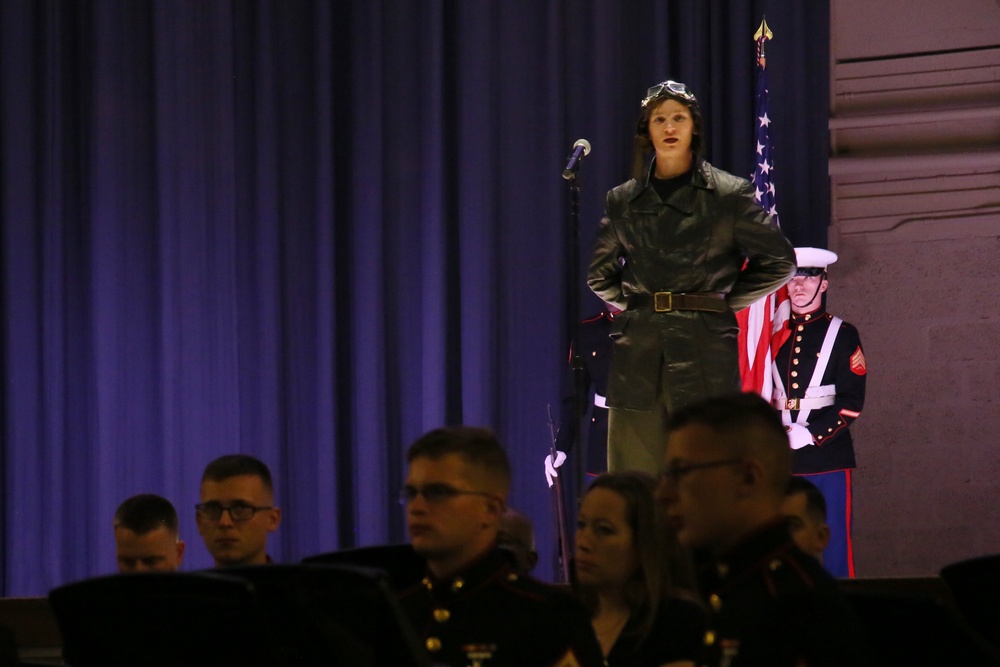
column 763, row 325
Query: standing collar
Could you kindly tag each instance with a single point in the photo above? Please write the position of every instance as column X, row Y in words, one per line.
column 811, row 316
column 764, row 543
column 494, row 563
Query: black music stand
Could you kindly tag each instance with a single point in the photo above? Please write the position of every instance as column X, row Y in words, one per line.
column 162, row 620
column 905, row 628
column 402, row 564
column 975, row 586
column 334, row 615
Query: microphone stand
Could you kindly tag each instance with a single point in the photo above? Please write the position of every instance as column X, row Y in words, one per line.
column 576, row 361
column 579, row 391
column 580, row 150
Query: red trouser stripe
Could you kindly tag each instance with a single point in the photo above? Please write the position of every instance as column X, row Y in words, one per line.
column 848, row 513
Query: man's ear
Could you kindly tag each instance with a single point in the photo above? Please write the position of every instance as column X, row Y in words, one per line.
column 497, row 506
column 180, row 551
column 751, row 475
column 274, row 519
column 824, row 535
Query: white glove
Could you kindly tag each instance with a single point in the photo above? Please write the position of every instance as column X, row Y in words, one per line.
column 550, row 467
column 799, row 436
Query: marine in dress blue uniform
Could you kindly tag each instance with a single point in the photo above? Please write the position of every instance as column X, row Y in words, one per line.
column 594, row 345
column 819, row 407
column 722, row 487
column 490, row 616
column 472, row 609
column 772, row 604
column 594, row 342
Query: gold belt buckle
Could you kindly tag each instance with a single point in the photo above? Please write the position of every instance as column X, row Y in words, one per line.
column 792, row 404
column 670, row 302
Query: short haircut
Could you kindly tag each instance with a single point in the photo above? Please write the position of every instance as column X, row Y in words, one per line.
column 815, row 502
column 477, row 445
column 516, row 536
column 518, row 526
column 748, row 426
column 235, row 465
column 146, row 512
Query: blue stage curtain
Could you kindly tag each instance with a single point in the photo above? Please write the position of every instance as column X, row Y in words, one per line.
column 311, row 231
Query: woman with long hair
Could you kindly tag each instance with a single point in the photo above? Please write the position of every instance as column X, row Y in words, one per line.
column 634, row 578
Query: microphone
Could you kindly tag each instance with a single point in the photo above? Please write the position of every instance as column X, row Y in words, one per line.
column 580, row 149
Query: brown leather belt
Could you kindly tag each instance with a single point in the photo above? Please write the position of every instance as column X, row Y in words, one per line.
column 664, row 302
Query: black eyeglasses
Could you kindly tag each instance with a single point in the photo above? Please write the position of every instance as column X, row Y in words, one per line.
column 237, row 511
column 675, row 472
column 437, row 493
column 671, row 88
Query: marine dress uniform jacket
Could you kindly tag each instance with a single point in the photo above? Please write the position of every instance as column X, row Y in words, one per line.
column 708, row 237
column 490, row 616
column 844, row 377
column 773, row 605
column 595, row 356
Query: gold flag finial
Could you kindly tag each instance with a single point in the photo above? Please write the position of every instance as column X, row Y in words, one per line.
column 761, row 36
column 763, row 31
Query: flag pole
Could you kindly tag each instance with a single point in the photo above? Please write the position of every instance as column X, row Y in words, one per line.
column 762, row 324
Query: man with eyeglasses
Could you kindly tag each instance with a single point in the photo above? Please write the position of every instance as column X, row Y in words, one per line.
column 726, row 468
column 472, row 607
column 146, row 535
column 237, row 510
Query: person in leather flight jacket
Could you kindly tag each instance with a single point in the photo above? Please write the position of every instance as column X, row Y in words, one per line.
column 682, row 245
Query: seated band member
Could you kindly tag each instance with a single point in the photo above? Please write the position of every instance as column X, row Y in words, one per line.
column 146, row 535
column 634, row 577
column 237, row 510
column 726, row 467
column 805, row 510
column 472, row 607
column 517, row 536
